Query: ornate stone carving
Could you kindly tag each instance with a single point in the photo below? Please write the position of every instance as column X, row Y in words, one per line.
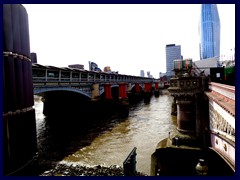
column 219, row 123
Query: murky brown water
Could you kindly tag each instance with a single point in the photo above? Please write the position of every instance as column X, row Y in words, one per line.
column 146, row 125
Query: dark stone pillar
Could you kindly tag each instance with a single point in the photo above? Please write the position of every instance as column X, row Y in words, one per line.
column 185, row 116
column 123, row 108
column 174, row 107
column 19, row 127
column 156, row 91
column 198, row 115
column 146, row 97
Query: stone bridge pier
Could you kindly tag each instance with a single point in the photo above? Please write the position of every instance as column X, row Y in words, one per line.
column 19, row 127
column 179, row 153
column 192, row 119
column 185, row 115
column 198, row 146
column 191, row 108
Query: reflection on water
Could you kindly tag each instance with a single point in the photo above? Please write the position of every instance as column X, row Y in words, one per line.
column 105, row 141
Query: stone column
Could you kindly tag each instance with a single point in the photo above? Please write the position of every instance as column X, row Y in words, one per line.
column 129, row 87
column 95, row 91
column 19, row 124
column 174, row 107
column 198, row 116
column 185, row 116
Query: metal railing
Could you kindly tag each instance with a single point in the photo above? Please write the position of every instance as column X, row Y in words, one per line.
column 46, row 73
column 129, row 165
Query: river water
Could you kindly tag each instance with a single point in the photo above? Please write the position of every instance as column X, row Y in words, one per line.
column 108, row 143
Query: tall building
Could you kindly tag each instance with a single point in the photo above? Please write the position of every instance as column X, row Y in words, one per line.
column 209, row 31
column 149, row 74
column 173, row 52
column 142, row 73
column 33, row 57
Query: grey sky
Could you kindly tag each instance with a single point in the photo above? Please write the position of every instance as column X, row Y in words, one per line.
column 126, row 37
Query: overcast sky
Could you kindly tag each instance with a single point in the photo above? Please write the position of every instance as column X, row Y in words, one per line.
column 126, row 37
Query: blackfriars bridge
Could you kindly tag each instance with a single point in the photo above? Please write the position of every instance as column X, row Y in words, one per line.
column 205, row 110
column 54, row 83
column 91, row 84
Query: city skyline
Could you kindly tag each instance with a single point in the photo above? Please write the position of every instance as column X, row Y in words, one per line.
column 126, row 37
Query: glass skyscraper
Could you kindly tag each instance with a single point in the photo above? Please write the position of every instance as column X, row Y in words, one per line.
column 209, row 31
column 173, row 52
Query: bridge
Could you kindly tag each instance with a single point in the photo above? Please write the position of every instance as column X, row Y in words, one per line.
column 92, row 85
column 88, row 83
column 205, row 111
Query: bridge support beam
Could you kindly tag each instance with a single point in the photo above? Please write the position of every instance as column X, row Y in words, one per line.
column 95, row 91
column 202, row 118
column 137, row 88
column 129, row 87
column 108, row 91
column 122, row 91
column 19, row 125
column 147, row 92
column 123, row 108
column 185, row 116
column 156, row 91
column 174, row 107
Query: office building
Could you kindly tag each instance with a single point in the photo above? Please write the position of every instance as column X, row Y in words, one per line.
column 33, row 57
column 173, row 52
column 209, row 31
column 149, row 74
column 142, row 73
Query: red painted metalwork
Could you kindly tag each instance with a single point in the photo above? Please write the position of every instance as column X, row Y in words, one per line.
column 147, row 87
column 108, row 91
column 137, row 88
column 122, row 91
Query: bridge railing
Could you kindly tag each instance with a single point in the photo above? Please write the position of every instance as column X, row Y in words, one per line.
column 45, row 74
column 129, row 165
column 56, row 80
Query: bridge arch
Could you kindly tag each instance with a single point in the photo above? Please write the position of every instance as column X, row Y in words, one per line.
column 38, row 91
column 133, row 85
